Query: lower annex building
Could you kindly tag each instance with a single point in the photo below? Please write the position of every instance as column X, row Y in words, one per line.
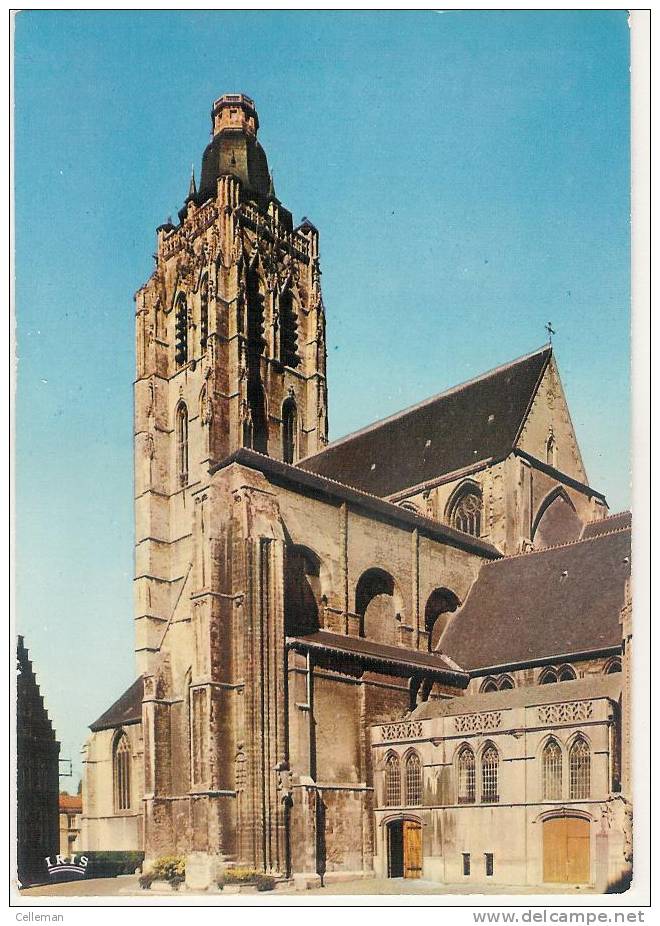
column 404, row 652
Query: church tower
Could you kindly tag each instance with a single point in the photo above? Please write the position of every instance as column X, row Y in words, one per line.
column 230, row 338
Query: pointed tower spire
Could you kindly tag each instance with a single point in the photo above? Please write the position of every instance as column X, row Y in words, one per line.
column 192, row 189
column 271, row 186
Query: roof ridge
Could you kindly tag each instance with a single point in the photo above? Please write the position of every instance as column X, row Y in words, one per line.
column 608, row 517
column 378, row 498
column 558, row 546
column 428, row 401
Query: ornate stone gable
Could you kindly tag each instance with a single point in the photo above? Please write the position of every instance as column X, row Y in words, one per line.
column 549, row 419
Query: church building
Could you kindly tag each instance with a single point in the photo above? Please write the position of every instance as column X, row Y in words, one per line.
column 403, row 653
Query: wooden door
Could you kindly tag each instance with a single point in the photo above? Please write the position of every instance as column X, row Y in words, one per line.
column 577, row 851
column 412, row 849
column 566, row 851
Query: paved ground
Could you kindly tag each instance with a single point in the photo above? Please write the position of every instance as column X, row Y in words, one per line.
column 127, row 886
column 409, row 886
column 92, row 887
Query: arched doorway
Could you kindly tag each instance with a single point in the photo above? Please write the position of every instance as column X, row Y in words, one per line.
column 566, row 850
column 404, row 849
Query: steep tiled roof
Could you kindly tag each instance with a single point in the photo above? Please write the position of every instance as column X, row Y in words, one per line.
column 613, row 523
column 476, row 421
column 599, row 686
column 126, row 709
column 399, row 659
column 556, row 602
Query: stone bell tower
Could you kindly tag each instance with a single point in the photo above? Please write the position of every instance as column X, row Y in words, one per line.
column 230, row 344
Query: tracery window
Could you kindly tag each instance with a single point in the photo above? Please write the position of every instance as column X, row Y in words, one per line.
column 392, row 781
column 181, row 331
column 289, row 430
column 413, row 780
column 121, row 762
column 204, row 313
column 579, row 770
column 288, row 330
column 551, row 764
column 466, row 512
column 466, row 776
column 182, row 443
column 490, row 761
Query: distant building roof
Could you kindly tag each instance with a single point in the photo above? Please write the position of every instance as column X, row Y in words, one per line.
column 126, row 709
column 397, row 659
column 597, row 686
column 70, row 803
column 476, row 421
column 605, row 526
column 544, row 605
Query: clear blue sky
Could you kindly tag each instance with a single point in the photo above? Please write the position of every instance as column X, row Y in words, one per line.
column 468, row 172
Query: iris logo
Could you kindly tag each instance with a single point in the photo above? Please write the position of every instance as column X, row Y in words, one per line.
column 63, row 864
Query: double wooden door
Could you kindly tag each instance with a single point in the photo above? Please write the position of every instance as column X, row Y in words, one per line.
column 405, row 849
column 566, row 851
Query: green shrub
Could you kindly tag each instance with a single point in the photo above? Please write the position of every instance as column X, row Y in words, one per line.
column 240, row 875
column 244, row 875
column 265, row 882
column 111, row 864
column 169, row 868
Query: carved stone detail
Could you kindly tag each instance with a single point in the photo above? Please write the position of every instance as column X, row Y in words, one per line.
column 566, row 713
column 407, row 730
column 477, row 723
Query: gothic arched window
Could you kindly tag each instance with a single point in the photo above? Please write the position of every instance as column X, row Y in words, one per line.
column 614, row 665
column 182, row 443
column 257, row 431
column 548, row 677
column 466, row 776
column 413, row 780
column 181, row 331
column 465, row 511
column 490, row 762
column 204, row 313
column 566, row 674
column 551, row 763
column 392, row 781
column 489, row 685
column 289, row 430
column 579, row 770
column 121, row 766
